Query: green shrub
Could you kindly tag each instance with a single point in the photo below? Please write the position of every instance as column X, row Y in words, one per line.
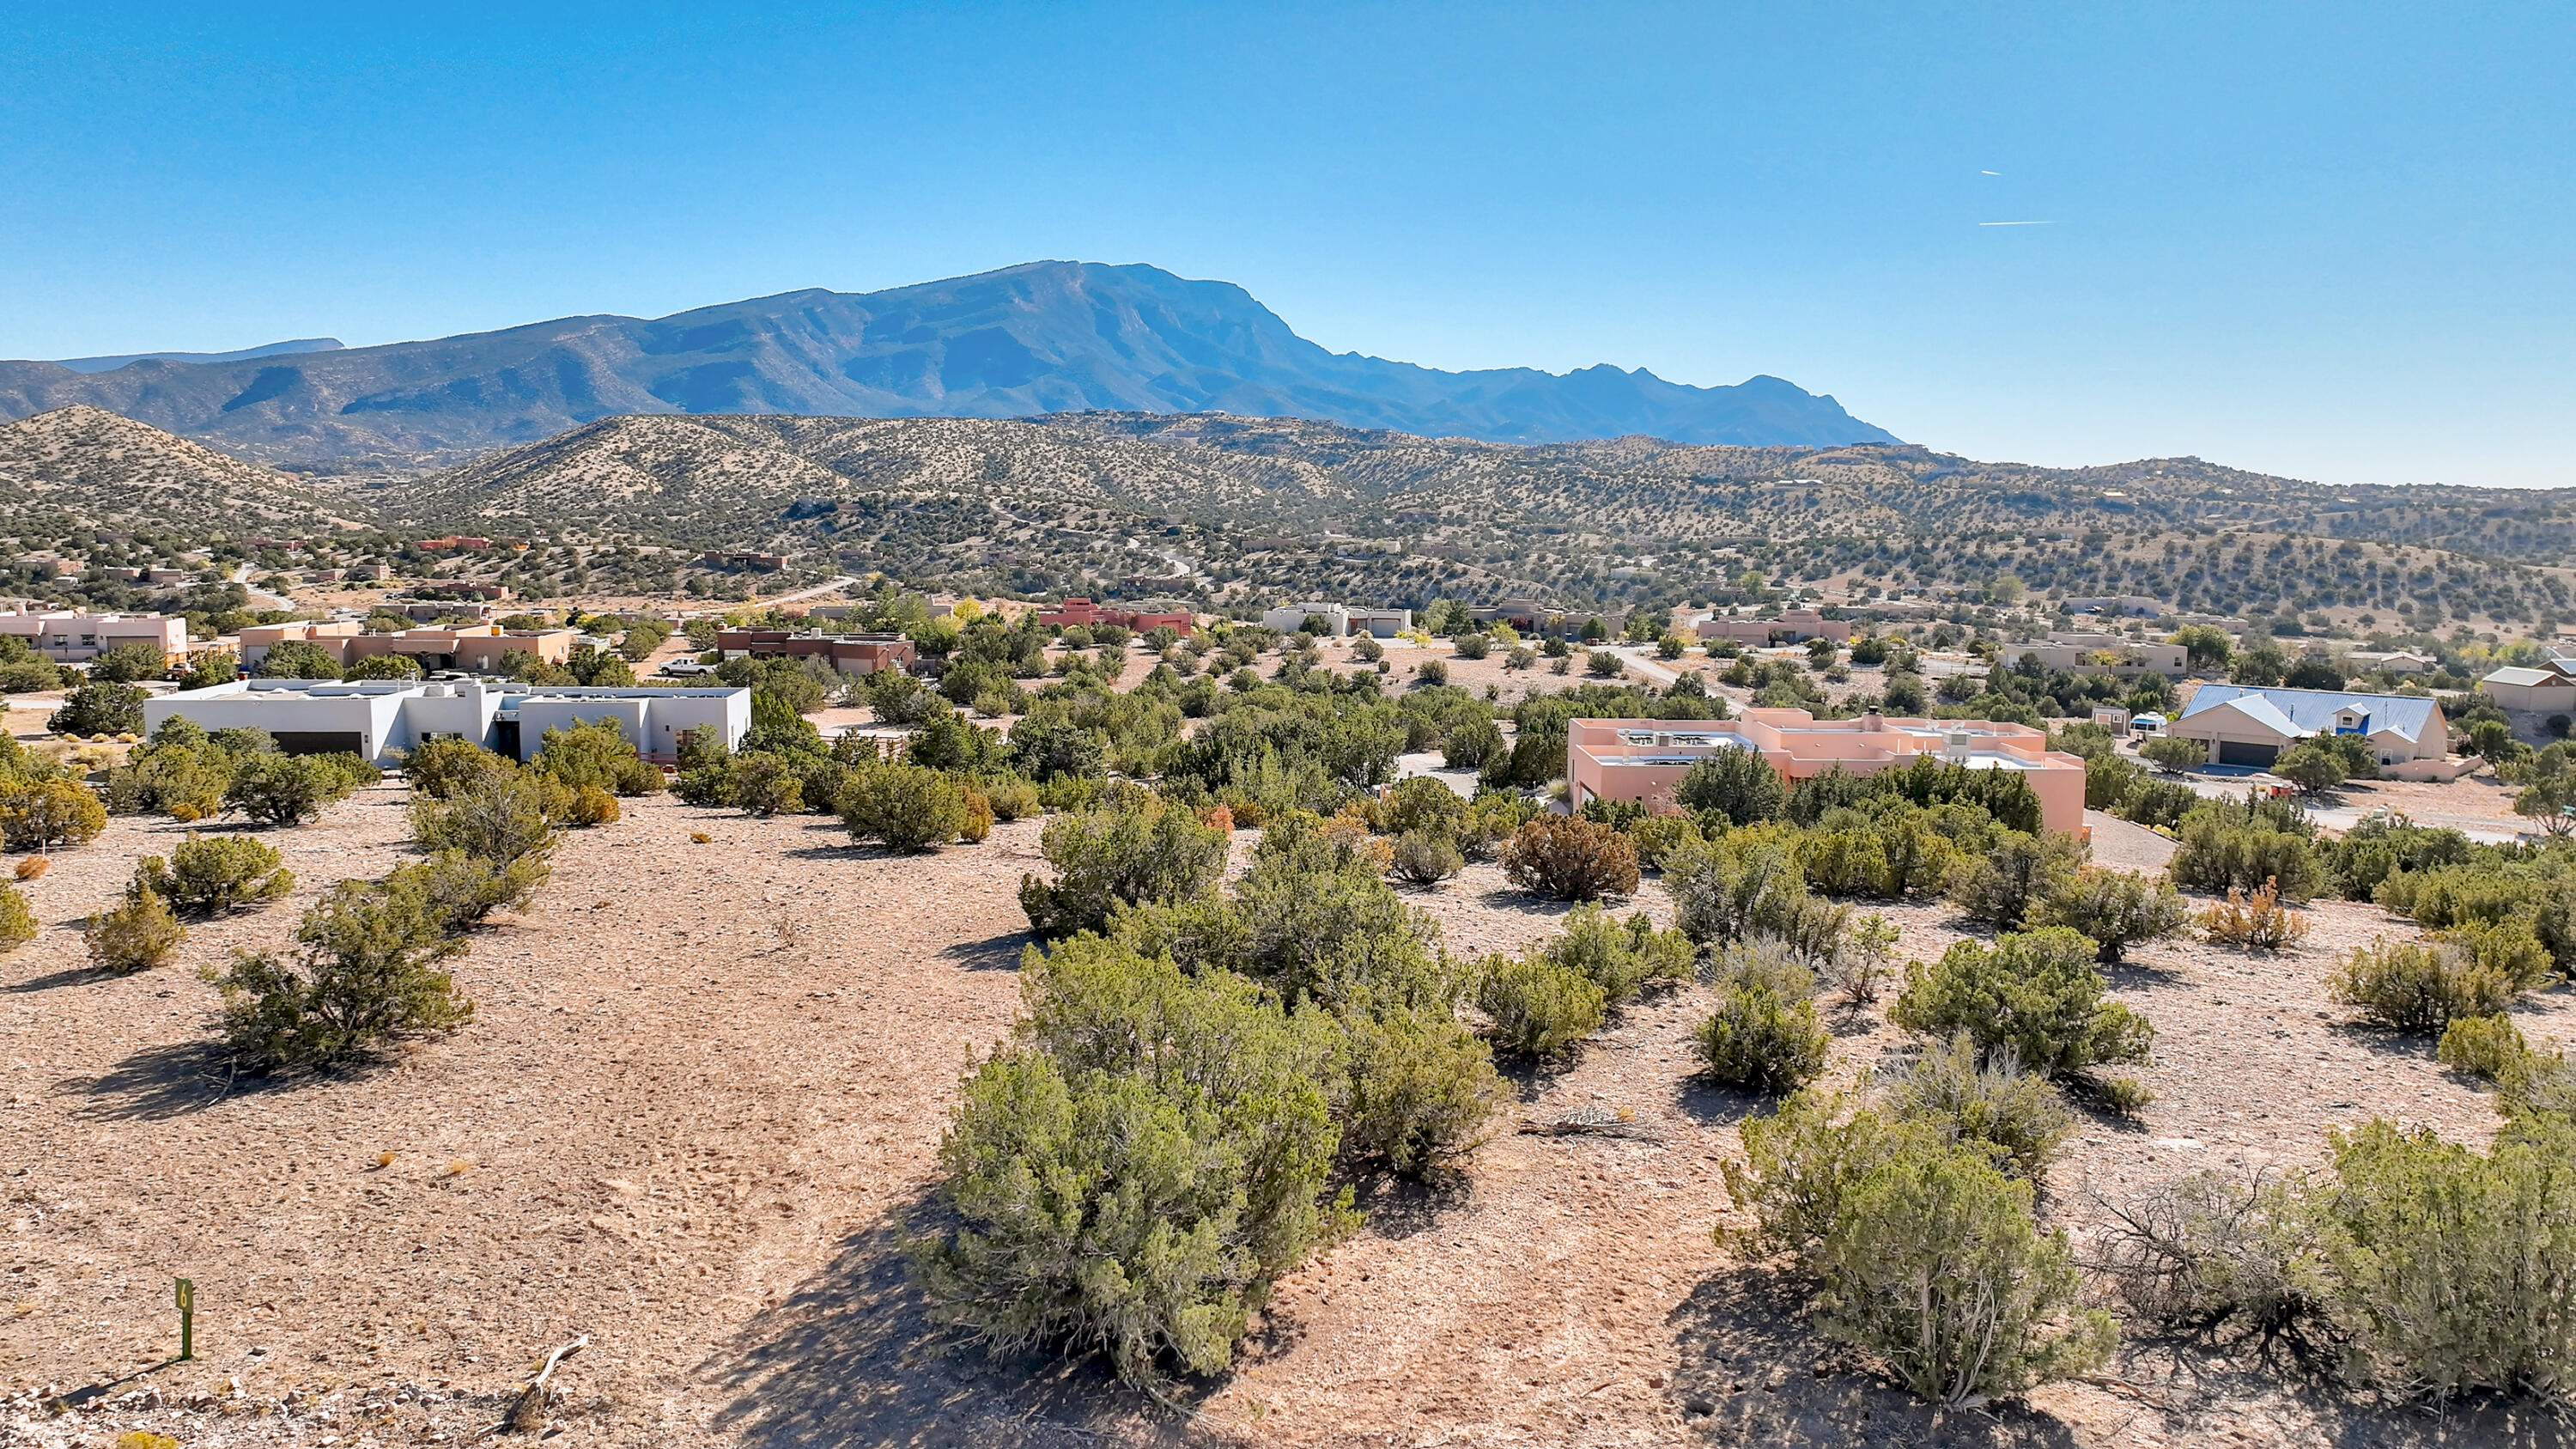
column 1420, row 1089
column 462, row 889
column 1620, row 957
column 216, row 873
column 764, row 784
column 2006, row 886
column 1537, row 1007
column 2038, row 993
column 1137, row 850
column 1423, row 805
column 1012, row 798
column 1570, row 860
column 180, row 774
column 1937, row 1266
column 591, row 752
column 1845, row 863
column 2506, row 948
column 903, row 805
column 2489, row 1047
column 39, row 814
column 136, row 933
column 1922, row 1252
column 99, row 709
column 2116, row 908
column 1759, row 1042
column 441, row 767
column 1738, row 784
column 2417, row 986
column 1737, row 885
column 2221, row 848
column 368, row 970
column 277, row 789
column 1425, row 859
column 2159, row 804
column 2453, row 1269
column 1657, row 836
column 1969, row 1096
column 1470, row 745
column 2172, row 752
column 1135, row 1167
column 17, row 922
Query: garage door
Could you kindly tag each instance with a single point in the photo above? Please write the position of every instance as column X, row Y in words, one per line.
column 2231, row 752
column 323, row 742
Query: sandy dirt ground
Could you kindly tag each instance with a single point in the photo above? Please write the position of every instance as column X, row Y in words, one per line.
column 704, row 1087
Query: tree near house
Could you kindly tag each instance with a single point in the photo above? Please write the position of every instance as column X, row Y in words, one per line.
column 2173, row 754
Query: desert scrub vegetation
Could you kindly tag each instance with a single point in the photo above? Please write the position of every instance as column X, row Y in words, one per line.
column 1570, row 859
column 1761, row 1041
column 279, row 789
column 2433, row 1268
column 1133, row 849
column 17, row 921
column 1129, row 1174
column 595, row 755
column 138, row 932
column 1918, row 1249
column 213, row 873
column 2246, row 844
column 2038, row 993
column 367, row 968
column 42, row 803
column 2419, row 986
column 1194, row 1064
column 183, row 772
column 906, row 807
column 2256, row 922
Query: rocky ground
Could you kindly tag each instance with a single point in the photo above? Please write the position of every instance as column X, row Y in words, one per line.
column 704, row 1086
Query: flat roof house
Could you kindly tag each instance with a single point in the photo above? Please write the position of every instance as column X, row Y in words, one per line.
column 1086, row 613
column 374, row 718
column 2105, row 654
column 847, row 653
column 1339, row 620
column 2251, row 725
column 1793, row 626
column 476, row 648
column 1644, row 759
column 68, row 636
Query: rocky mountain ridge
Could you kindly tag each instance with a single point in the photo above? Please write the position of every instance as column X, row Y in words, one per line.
column 1024, row 341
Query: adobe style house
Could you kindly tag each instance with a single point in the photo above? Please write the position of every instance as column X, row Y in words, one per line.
column 1793, row 626
column 847, row 653
column 1085, row 613
column 475, row 648
column 70, row 636
column 373, row 719
column 2251, row 725
column 1643, row 760
column 1338, row 620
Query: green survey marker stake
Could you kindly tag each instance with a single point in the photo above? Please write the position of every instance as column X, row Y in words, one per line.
column 187, row 1294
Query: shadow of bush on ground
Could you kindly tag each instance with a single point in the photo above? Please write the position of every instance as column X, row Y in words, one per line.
column 851, row 1360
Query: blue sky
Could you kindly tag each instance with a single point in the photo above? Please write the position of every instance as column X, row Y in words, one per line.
column 2328, row 241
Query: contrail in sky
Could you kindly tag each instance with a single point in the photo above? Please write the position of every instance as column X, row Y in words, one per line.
column 2016, row 223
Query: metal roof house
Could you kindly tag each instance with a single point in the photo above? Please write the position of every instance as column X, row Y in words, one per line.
column 2251, row 725
column 2548, row 689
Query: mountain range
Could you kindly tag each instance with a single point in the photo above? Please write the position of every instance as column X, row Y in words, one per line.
column 1045, row 337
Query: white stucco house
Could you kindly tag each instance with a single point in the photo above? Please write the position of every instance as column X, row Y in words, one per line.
column 374, row 719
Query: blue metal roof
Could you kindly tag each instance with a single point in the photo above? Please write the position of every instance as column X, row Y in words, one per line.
column 2313, row 710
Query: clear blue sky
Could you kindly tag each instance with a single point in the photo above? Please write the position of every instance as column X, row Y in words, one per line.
column 2330, row 241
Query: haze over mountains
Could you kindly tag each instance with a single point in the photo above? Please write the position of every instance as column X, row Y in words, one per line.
column 1041, row 338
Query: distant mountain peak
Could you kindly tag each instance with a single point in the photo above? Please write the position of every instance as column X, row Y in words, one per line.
column 268, row 349
column 1029, row 340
